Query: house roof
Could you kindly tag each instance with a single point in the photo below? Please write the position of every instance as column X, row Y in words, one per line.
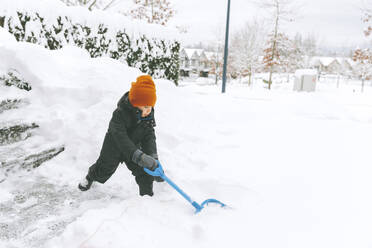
column 326, row 61
column 191, row 52
column 342, row 60
column 212, row 55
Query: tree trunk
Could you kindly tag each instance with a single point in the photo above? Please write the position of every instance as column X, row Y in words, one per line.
column 152, row 11
column 91, row 6
column 2, row 19
column 274, row 45
column 109, row 5
column 363, row 84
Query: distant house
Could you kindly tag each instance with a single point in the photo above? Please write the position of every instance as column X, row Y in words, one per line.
column 194, row 62
column 185, row 67
column 331, row 65
column 347, row 64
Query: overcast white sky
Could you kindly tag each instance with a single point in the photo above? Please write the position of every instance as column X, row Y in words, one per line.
column 335, row 22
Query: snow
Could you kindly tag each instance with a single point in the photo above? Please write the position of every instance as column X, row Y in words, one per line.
column 115, row 21
column 6, row 37
column 309, row 72
column 294, row 168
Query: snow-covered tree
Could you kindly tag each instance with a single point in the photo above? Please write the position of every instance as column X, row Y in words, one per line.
column 100, row 4
column 153, row 11
column 295, row 56
column 217, row 47
column 246, row 47
column 367, row 18
column 308, row 45
column 279, row 11
column 90, row 4
column 288, row 55
column 363, row 68
column 363, row 57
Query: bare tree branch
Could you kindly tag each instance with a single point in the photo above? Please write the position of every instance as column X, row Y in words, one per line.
column 109, row 4
column 91, row 6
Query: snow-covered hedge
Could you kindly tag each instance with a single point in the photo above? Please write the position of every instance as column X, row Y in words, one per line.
column 13, row 77
column 157, row 57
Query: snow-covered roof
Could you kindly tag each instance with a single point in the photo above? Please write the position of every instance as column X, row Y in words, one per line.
column 325, row 61
column 191, row 52
column 351, row 62
column 212, row 55
column 183, row 53
column 343, row 60
column 199, row 51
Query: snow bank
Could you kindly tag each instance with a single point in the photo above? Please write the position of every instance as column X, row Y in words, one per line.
column 6, row 37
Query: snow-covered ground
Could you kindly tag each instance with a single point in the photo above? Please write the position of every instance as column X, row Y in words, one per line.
column 294, row 168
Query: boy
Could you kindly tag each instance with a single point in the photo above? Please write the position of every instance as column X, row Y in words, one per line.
column 130, row 139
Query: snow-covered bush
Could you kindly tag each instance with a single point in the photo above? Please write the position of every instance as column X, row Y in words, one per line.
column 157, row 57
column 14, row 78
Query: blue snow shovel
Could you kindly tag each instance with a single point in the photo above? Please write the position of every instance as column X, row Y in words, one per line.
column 158, row 172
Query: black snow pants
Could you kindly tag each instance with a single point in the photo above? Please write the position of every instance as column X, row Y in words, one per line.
column 109, row 160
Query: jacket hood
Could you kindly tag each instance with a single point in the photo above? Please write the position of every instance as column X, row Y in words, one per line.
column 124, row 103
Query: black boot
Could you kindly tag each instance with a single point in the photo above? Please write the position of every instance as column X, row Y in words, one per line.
column 85, row 184
column 145, row 183
column 145, row 191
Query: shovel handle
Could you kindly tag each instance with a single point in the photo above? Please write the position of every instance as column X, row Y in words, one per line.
column 158, row 172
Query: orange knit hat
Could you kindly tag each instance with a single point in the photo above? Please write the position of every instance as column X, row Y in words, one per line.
column 143, row 92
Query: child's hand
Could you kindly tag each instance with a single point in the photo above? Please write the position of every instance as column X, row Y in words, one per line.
column 144, row 160
column 148, row 162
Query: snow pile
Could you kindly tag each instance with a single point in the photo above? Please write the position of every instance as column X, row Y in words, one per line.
column 151, row 48
column 294, row 168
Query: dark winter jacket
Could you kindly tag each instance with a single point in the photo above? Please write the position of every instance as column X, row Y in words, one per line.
column 131, row 132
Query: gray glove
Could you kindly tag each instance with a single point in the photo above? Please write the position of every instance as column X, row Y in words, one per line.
column 144, row 160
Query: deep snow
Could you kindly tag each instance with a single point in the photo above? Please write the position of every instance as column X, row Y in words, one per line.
column 295, row 168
